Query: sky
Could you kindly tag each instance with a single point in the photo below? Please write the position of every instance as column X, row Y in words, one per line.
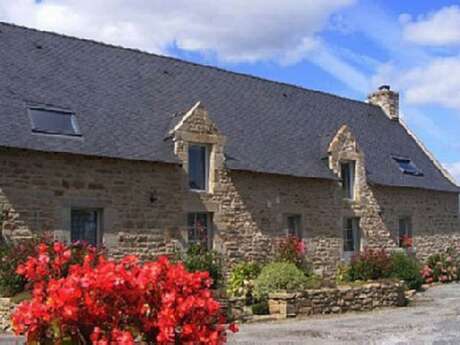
column 345, row 47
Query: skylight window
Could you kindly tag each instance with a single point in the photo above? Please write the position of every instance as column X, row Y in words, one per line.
column 52, row 121
column 407, row 166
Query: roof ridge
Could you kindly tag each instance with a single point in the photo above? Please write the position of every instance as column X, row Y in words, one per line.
column 202, row 65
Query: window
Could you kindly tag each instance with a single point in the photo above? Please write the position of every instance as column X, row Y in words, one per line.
column 199, row 229
column 53, row 121
column 293, row 225
column 405, row 232
column 348, row 179
column 407, row 166
column 351, row 235
column 198, row 167
column 85, row 225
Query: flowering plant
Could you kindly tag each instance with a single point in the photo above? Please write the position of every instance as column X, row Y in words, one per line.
column 103, row 301
column 442, row 267
column 406, row 241
column 292, row 249
column 370, row 264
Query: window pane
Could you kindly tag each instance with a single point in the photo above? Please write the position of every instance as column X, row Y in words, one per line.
column 197, row 167
column 198, row 228
column 408, row 167
column 405, row 230
column 348, row 176
column 84, row 226
column 293, row 225
column 351, row 235
column 53, row 122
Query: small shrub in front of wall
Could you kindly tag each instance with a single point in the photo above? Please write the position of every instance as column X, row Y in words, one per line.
column 407, row 268
column 371, row 264
column 199, row 259
column 241, row 280
column 279, row 276
column 441, row 267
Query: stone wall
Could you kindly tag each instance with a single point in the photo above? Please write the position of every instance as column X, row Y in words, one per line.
column 140, row 202
column 6, row 310
column 337, row 300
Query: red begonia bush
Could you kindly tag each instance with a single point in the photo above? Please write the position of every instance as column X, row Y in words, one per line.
column 102, row 302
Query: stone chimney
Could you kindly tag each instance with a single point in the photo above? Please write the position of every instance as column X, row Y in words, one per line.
column 386, row 99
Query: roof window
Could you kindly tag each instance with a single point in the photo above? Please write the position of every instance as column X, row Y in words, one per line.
column 407, row 166
column 53, row 121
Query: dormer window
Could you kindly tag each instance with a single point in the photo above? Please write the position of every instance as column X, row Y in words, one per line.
column 407, row 166
column 348, row 173
column 198, row 167
column 53, row 121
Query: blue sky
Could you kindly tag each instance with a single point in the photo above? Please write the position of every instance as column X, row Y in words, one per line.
column 345, row 47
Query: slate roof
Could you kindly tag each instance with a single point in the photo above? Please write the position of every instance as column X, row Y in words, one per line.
column 125, row 101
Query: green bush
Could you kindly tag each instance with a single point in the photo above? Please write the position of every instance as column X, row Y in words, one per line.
column 370, row 265
column 198, row 258
column 260, row 308
column 279, row 276
column 241, row 280
column 407, row 268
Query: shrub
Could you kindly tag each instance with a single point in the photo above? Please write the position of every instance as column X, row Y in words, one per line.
column 199, row 259
column 292, row 249
column 260, row 308
column 406, row 268
column 370, row 265
column 241, row 280
column 279, row 276
column 442, row 267
column 123, row 302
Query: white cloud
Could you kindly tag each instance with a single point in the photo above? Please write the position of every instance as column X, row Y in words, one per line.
column 233, row 30
column 454, row 169
column 435, row 82
column 438, row 29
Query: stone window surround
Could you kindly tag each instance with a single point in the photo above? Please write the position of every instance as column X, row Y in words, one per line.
column 107, row 217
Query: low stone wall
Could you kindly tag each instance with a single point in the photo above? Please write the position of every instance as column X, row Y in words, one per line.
column 337, row 300
column 6, row 309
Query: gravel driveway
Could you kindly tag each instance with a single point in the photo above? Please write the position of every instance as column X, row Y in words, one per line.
column 433, row 319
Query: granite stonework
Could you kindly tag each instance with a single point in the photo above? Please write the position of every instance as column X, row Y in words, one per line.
column 6, row 310
column 144, row 205
column 337, row 300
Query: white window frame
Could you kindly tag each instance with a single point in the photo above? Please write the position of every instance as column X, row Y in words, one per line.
column 206, row 168
column 356, row 236
column 350, row 193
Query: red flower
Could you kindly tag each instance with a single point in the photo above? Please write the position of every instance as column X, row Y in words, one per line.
column 233, row 327
column 109, row 302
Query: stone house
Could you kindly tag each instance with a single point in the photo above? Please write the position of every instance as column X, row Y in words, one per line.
column 145, row 153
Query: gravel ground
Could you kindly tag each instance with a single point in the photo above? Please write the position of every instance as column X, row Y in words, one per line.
column 434, row 318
